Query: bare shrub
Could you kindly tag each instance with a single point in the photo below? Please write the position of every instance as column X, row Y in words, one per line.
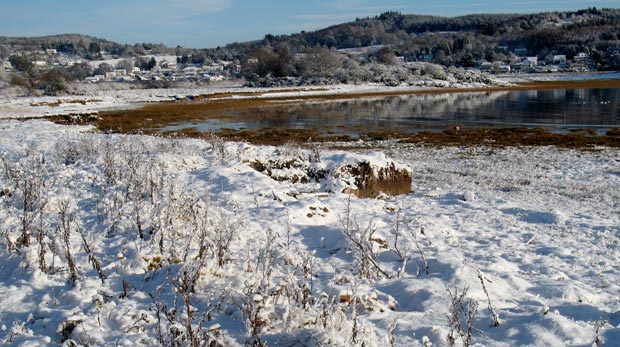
column 224, row 235
column 71, row 151
column 494, row 316
column 361, row 242
column 64, row 228
column 92, row 258
column 29, row 180
column 598, row 340
column 112, row 168
column 184, row 284
column 315, row 152
column 143, row 188
column 419, row 248
column 252, row 305
column 218, row 146
column 463, row 310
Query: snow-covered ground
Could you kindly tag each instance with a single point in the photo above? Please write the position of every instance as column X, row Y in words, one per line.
column 229, row 256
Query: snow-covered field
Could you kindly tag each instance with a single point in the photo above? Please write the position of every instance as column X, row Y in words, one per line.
column 230, row 257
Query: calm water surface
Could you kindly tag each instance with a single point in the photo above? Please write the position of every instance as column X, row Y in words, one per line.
column 560, row 110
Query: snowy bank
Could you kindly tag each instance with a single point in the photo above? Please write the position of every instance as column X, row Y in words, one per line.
column 113, row 240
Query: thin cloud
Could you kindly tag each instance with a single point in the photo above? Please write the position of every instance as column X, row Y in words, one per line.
column 204, row 6
column 360, row 6
column 328, row 17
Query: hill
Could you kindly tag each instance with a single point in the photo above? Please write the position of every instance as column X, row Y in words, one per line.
column 463, row 41
column 380, row 49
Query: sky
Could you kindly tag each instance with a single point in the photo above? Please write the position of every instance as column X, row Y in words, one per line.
column 212, row 23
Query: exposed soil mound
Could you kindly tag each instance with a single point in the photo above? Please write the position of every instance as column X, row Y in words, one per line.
column 363, row 178
column 371, row 182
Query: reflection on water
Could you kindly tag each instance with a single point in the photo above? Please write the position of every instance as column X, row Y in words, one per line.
column 558, row 109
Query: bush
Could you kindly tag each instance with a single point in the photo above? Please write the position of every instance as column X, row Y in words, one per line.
column 54, row 82
column 20, row 81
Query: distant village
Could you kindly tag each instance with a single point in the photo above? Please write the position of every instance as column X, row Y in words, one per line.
column 554, row 63
column 519, row 61
column 111, row 68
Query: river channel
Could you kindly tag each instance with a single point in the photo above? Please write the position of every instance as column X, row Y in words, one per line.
column 557, row 110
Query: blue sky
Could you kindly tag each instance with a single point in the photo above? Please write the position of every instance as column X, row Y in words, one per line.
column 211, row 23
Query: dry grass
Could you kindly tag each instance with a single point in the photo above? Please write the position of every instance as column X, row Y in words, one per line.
column 388, row 180
column 507, row 137
column 61, row 101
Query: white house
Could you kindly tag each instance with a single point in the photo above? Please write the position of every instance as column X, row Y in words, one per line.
column 530, row 61
column 51, row 51
column 559, row 59
column 581, row 56
column 486, row 66
column 94, row 79
column 503, row 68
column 216, row 78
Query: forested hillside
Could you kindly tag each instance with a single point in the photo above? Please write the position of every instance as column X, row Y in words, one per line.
column 451, row 41
column 463, row 41
column 367, row 50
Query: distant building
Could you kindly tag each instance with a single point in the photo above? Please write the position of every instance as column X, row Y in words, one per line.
column 95, row 79
column 214, row 78
column 503, row 68
column 559, row 59
column 581, row 56
column 486, row 66
column 51, row 51
column 530, row 61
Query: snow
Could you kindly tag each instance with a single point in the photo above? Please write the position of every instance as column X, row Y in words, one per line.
column 265, row 260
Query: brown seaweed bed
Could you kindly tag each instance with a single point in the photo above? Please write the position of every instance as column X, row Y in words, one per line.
column 153, row 119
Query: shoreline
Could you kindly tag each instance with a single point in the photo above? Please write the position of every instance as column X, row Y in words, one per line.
column 103, row 101
column 149, row 111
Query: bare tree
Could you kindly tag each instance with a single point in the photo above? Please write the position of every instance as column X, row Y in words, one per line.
column 321, row 62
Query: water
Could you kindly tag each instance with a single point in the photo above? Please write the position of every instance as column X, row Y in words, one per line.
column 558, row 110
